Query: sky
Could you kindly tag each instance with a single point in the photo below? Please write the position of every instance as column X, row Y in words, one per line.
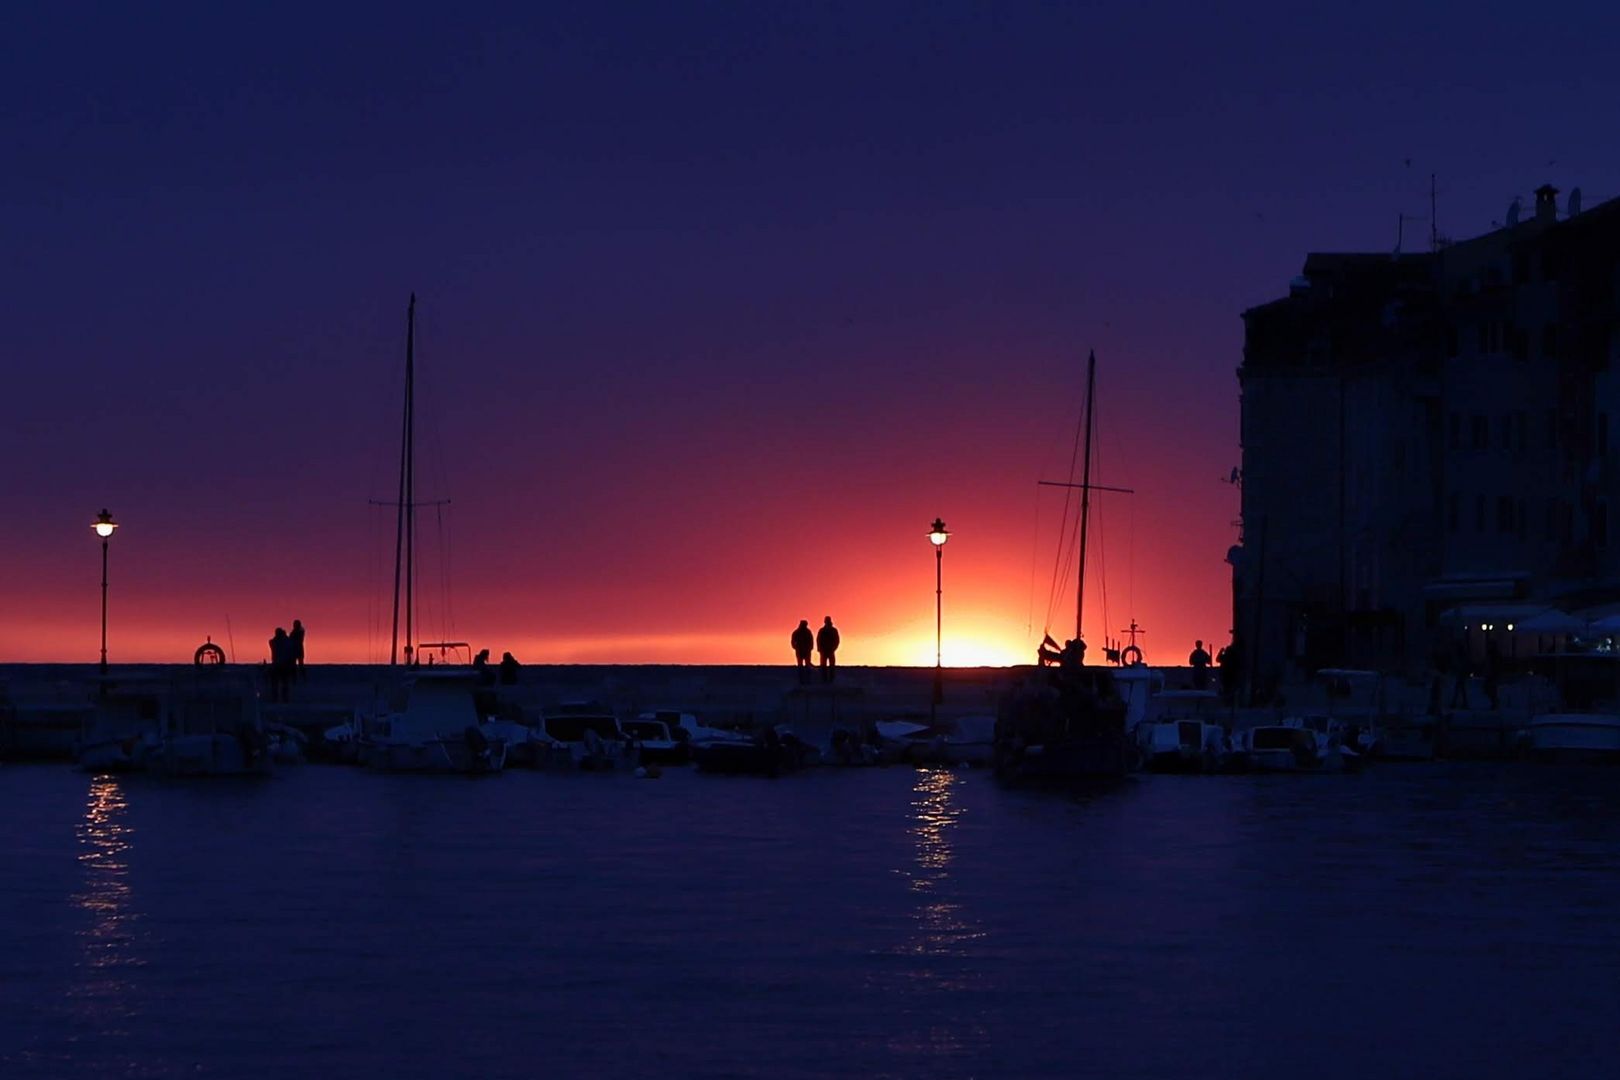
column 719, row 305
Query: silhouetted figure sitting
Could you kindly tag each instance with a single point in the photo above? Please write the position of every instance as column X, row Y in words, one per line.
column 1198, row 660
column 295, row 646
column 1231, row 661
column 481, row 668
column 509, row 669
column 803, row 642
column 281, row 664
column 827, row 646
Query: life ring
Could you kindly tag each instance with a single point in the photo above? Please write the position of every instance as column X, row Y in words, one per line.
column 1130, row 656
column 208, row 654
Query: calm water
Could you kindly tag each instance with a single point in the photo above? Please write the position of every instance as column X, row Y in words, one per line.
column 1425, row 921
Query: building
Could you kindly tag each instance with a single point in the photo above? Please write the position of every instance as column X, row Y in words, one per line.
column 1428, row 437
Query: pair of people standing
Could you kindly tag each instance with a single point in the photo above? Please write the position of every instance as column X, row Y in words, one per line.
column 824, row 641
column 286, row 659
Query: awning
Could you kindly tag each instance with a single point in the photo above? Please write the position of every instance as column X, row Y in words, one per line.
column 1501, row 613
column 1553, row 621
column 1498, row 587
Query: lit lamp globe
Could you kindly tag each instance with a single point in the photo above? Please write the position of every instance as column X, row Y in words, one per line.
column 938, row 533
column 104, row 525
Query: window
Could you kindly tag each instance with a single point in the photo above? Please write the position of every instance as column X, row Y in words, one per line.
column 1479, row 513
column 1504, row 513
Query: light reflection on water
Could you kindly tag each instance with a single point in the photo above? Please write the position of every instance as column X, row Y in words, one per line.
column 105, row 897
column 862, row 922
column 940, row 945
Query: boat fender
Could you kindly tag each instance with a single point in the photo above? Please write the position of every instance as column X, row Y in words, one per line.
column 1130, row 656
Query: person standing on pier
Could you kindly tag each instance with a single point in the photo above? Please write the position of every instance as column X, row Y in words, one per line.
column 1199, row 662
column 295, row 649
column 827, row 646
column 803, row 642
column 280, row 664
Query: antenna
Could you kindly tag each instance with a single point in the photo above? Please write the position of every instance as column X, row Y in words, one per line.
column 1434, row 216
column 230, row 637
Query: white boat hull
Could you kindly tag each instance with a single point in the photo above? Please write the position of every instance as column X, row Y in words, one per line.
column 1575, row 736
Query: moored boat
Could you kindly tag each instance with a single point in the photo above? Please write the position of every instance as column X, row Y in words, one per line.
column 771, row 752
column 1182, row 735
column 438, row 731
column 583, row 735
column 1286, row 746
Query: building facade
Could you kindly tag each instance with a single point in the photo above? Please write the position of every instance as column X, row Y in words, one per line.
column 1425, row 435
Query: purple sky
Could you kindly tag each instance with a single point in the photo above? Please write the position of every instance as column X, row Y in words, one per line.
column 720, row 304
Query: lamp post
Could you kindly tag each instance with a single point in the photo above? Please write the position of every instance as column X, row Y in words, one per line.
column 104, row 526
column 937, row 535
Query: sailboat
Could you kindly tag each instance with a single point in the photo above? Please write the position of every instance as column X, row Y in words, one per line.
column 439, row 729
column 1067, row 722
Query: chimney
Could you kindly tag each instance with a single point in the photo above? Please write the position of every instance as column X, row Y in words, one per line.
column 1546, row 204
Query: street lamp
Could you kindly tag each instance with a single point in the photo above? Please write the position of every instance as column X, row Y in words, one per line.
column 104, row 526
column 937, row 535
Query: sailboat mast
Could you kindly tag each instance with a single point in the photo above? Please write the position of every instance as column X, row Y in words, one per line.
column 405, row 517
column 410, row 482
column 1085, row 491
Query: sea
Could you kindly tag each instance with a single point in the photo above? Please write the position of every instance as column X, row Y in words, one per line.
column 1423, row 920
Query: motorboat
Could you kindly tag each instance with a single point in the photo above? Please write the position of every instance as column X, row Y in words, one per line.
column 121, row 729
column 1183, row 734
column 1572, row 736
column 770, row 752
column 965, row 740
column 657, row 738
column 199, row 724
column 1585, row 724
column 1352, row 708
column 583, row 735
column 438, row 730
column 1285, row 746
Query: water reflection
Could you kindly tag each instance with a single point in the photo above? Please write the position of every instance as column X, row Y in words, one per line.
column 942, row 928
column 106, row 952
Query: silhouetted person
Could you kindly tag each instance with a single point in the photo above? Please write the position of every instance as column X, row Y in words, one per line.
column 1198, row 660
column 295, row 647
column 509, row 669
column 281, row 664
column 1462, row 664
column 827, row 646
column 481, row 667
column 804, row 642
column 1493, row 670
